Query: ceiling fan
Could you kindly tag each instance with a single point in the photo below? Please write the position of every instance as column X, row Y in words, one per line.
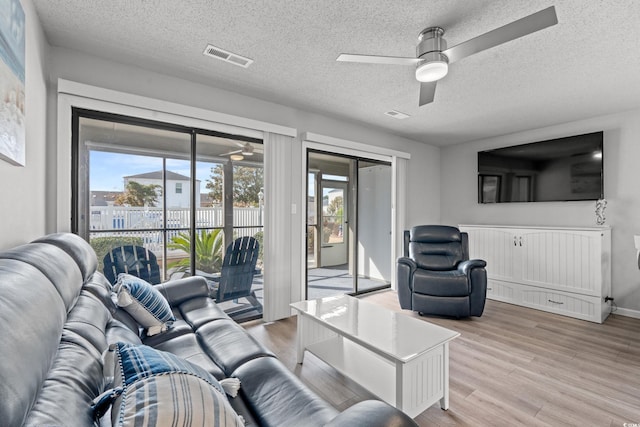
column 433, row 57
column 246, row 150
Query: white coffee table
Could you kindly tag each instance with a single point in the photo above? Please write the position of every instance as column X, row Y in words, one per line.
column 402, row 360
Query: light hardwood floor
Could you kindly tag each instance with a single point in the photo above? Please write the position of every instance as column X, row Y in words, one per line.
column 513, row 366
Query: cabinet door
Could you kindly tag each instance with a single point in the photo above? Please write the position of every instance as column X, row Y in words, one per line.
column 560, row 259
column 496, row 247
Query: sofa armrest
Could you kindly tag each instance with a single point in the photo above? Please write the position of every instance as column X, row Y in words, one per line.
column 178, row 291
column 372, row 413
column 404, row 269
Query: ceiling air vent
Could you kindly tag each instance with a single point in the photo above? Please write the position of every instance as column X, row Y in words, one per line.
column 397, row 114
column 224, row 55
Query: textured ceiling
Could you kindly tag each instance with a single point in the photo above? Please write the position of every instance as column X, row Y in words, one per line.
column 587, row 65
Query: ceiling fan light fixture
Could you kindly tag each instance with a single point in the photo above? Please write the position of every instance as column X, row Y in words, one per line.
column 236, row 157
column 247, row 150
column 433, row 70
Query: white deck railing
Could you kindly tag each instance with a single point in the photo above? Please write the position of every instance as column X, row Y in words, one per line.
column 147, row 223
column 128, row 218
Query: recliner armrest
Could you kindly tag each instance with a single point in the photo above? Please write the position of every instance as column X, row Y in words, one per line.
column 372, row 413
column 178, row 291
column 467, row 266
column 408, row 262
column 405, row 268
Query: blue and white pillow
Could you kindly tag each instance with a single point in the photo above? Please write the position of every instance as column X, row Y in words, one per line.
column 144, row 303
column 156, row 388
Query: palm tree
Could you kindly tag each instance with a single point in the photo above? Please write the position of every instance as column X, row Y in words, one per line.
column 209, row 254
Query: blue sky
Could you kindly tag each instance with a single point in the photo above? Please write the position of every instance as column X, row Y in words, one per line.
column 108, row 169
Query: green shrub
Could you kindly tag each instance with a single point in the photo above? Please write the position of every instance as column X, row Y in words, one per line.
column 209, row 250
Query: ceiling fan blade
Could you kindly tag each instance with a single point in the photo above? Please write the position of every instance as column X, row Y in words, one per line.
column 372, row 59
column 427, row 92
column 231, row 152
column 522, row 27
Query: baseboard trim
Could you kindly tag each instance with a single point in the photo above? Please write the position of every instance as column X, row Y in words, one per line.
column 627, row 312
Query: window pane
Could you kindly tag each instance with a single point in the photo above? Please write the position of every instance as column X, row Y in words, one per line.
column 333, row 225
column 135, row 193
column 231, row 206
column 127, row 175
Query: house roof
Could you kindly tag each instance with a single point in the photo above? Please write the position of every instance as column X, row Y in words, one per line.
column 586, row 65
column 172, row 176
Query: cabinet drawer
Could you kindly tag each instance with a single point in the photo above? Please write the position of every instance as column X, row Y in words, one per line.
column 503, row 291
column 580, row 306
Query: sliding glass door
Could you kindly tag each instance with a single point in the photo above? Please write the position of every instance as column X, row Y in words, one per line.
column 374, row 225
column 348, row 224
column 180, row 193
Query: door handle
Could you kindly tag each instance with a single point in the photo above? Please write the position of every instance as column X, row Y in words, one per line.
column 520, row 240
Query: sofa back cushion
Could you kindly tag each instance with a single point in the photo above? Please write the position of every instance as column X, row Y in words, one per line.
column 51, row 334
column 77, row 248
column 32, row 316
column 76, row 376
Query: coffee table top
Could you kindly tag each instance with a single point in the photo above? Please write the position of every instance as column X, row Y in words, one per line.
column 391, row 334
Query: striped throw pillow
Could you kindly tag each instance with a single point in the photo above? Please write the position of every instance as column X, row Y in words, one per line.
column 144, row 303
column 160, row 389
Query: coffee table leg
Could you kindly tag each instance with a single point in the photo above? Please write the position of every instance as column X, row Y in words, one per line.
column 300, row 344
column 444, row 402
column 399, row 386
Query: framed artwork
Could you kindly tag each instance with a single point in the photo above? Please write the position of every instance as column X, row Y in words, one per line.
column 489, row 191
column 12, row 79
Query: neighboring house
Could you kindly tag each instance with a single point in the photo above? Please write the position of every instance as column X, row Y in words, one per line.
column 104, row 198
column 177, row 187
column 206, row 201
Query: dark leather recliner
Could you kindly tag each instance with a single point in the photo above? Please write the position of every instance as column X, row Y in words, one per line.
column 435, row 275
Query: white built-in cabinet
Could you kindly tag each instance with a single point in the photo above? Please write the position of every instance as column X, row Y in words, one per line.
column 561, row 270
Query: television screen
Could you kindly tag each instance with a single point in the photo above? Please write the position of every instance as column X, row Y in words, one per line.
column 559, row 169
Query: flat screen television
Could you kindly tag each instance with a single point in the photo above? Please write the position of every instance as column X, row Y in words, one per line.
column 561, row 169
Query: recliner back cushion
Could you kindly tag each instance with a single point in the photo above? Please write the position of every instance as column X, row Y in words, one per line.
column 436, row 247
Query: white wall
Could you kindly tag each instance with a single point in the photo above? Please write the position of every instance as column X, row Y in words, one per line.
column 622, row 191
column 22, row 189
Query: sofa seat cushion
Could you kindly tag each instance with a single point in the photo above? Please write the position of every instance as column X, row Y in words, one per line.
column 187, row 347
column 278, row 398
column 156, row 388
column 199, row 311
column 451, row 283
column 229, row 344
column 177, row 329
